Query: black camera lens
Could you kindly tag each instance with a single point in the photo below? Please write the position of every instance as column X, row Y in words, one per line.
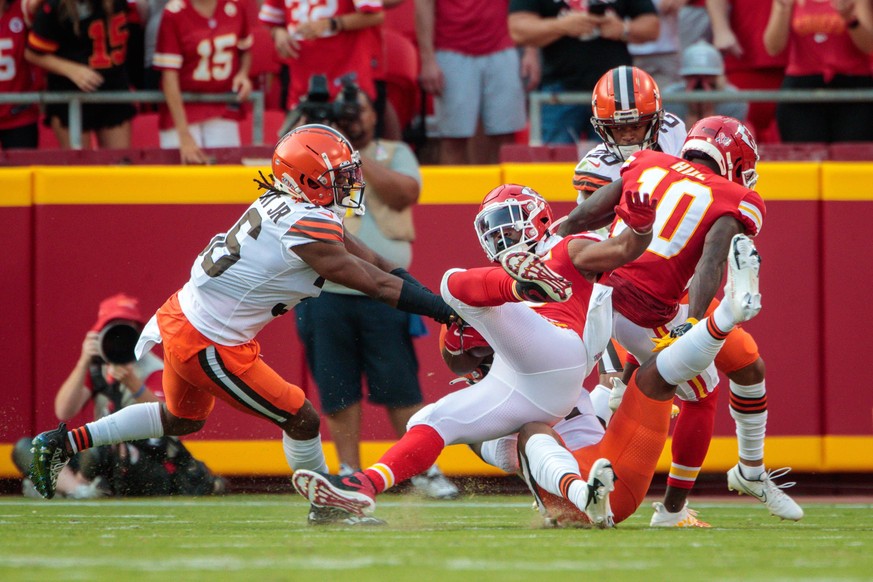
column 117, row 342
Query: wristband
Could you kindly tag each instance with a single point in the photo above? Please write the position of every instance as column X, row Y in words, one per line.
column 642, row 233
column 139, row 392
column 414, row 299
column 336, row 24
column 406, row 276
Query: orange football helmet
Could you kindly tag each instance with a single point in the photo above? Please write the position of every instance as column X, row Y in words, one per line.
column 622, row 97
column 727, row 142
column 317, row 163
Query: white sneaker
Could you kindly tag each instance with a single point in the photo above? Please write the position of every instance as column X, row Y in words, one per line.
column 685, row 517
column 434, row 484
column 767, row 492
column 741, row 291
column 601, row 481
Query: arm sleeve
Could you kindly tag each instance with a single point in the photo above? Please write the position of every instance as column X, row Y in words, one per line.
column 168, row 51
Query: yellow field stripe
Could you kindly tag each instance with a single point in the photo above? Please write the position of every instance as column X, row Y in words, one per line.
column 830, row 454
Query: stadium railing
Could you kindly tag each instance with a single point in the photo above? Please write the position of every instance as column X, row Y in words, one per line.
column 75, row 100
column 537, row 99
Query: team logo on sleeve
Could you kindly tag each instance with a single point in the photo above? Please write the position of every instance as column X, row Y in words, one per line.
column 16, row 25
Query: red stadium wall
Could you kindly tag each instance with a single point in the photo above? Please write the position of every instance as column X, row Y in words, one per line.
column 76, row 235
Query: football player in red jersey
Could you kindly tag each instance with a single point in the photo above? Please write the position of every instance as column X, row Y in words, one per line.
column 623, row 98
column 18, row 127
column 540, row 358
column 699, row 211
column 286, row 243
column 203, row 47
column 83, row 46
column 621, row 460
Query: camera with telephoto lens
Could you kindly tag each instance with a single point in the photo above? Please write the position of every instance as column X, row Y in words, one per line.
column 117, row 341
column 317, row 107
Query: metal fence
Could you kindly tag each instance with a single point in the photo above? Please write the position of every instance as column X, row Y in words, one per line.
column 76, row 99
column 538, row 99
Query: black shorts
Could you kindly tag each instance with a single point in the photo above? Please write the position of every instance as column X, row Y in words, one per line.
column 94, row 115
column 347, row 336
column 21, row 137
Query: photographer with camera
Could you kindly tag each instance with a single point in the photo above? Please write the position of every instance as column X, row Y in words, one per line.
column 334, row 39
column 108, row 374
column 702, row 69
column 375, row 340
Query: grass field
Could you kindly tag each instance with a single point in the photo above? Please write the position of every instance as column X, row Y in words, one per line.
column 481, row 538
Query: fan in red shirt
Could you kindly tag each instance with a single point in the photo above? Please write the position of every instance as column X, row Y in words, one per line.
column 332, row 39
column 17, row 122
column 203, row 47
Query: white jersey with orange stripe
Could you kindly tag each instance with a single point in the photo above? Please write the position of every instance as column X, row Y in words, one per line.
column 248, row 276
column 600, row 166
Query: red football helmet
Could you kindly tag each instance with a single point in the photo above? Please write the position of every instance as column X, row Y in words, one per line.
column 512, row 217
column 317, row 163
column 627, row 96
column 726, row 141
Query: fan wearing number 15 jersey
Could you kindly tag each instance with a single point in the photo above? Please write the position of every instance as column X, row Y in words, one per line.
column 206, row 49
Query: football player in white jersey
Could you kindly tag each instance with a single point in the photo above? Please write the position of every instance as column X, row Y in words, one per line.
column 628, row 117
column 285, row 245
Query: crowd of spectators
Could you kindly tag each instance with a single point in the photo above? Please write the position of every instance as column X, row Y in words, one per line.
column 471, row 77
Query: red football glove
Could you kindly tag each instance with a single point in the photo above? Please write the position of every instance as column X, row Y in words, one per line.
column 460, row 337
column 640, row 212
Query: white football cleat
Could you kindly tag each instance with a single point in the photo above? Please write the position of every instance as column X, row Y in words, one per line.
column 432, row 483
column 601, row 481
column 536, row 281
column 685, row 517
column 767, row 492
column 741, row 290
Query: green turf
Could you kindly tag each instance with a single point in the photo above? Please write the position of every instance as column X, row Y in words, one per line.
column 481, row 538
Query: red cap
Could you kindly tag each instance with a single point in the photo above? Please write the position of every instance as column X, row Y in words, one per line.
column 119, row 306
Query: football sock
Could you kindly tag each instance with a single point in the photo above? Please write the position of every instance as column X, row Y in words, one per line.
column 690, row 355
column 723, row 318
column 306, row 454
column 483, row 287
column 554, row 468
column 749, row 410
column 131, row 423
column 414, row 453
column 691, row 437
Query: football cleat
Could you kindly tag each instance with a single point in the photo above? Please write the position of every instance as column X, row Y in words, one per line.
column 766, row 491
column 49, row 457
column 741, row 290
column 601, row 481
column 432, row 483
column 335, row 516
column 685, row 517
column 535, row 281
column 354, row 493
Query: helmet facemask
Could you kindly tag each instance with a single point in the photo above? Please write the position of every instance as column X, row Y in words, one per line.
column 605, row 128
column 508, row 226
column 347, row 182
